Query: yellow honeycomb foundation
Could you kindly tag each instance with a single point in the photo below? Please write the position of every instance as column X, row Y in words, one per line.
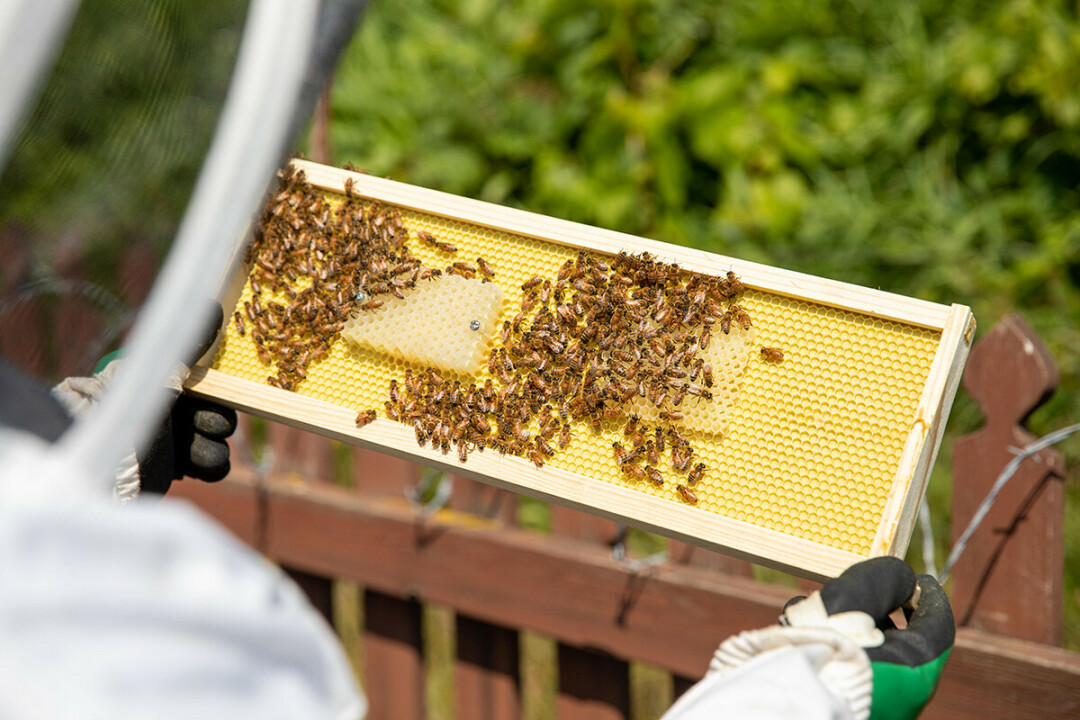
column 808, row 446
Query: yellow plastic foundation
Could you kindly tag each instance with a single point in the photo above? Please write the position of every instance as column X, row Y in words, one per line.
column 807, row 446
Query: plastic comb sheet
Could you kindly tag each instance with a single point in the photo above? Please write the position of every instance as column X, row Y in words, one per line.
column 807, row 446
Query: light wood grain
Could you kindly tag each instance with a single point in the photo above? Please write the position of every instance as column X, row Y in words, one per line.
column 867, row 301
column 924, row 438
column 579, row 492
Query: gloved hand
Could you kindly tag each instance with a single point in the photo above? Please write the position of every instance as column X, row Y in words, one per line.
column 190, row 440
column 907, row 664
column 835, row 654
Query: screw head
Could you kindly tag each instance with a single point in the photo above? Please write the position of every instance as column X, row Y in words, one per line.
column 361, row 296
column 474, row 325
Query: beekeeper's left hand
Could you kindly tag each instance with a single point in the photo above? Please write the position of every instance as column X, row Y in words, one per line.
column 191, row 440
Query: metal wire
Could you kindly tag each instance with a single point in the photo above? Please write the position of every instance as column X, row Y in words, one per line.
column 434, row 485
column 119, row 315
column 1010, row 470
column 926, row 525
column 619, row 554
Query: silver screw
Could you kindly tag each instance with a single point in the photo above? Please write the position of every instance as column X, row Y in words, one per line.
column 361, row 296
column 474, row 325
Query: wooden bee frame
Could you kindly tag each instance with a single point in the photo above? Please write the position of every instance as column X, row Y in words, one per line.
column 790, row 526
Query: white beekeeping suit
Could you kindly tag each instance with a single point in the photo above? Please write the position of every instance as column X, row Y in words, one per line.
column 148, row 609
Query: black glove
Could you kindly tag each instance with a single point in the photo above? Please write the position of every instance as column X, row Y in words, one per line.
column 191, row 439
column 190, row 442
column 908, row 664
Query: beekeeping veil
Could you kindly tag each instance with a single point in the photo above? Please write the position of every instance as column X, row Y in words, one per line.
column 148, row 610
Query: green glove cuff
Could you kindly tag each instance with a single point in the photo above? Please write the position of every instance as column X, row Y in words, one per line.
column 902, row 691
column 103, row 362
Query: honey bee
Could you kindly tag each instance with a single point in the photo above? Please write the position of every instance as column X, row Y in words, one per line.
column 741, row 316
column 652, row 454
column 371, row 305
column 348, row 187
column 696, row 474
column 537, row 458
column 392, row 410
column 435, row 242
column 670, row 415
column 725, row 322
column 462, row 452
column 464, row 267
column 654, row 476
column 564, row 436
column 543, row 447
column 239, row 323
column 631, row 426
column 365, row 417
column 698, row 391
column 485, row 267
column 772, row 354
column 687, row 494
column 532, row 282
column 734, row 285
column 394, row 396
column 681, row 456
column 622, row 456
column 584, row 288
column 634, row 471
column 705, row 337
column 707, row 375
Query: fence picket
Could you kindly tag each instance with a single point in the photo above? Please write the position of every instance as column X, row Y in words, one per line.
column 592, row 685
column 1009, row 579
column 486, row 671
column 393, row 650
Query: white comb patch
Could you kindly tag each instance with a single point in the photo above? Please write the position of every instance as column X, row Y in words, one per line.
column 447, row 322
column 728, row 356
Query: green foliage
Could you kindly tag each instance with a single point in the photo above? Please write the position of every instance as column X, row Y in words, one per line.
column 931, row 149
column 112, row 148
column 927, row 148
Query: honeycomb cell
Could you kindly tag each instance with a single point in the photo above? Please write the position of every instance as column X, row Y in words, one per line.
column 447, row 322
column 807, row 446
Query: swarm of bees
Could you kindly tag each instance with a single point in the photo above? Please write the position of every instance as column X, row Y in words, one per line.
column 314, row 265
column 585, row 344
column 319, row 264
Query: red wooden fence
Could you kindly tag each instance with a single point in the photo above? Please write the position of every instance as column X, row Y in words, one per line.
column 498, row 579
